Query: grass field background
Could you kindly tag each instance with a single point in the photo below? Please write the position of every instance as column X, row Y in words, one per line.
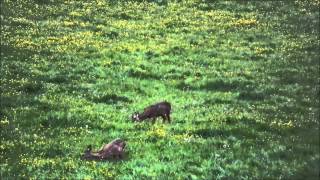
column 242, row 78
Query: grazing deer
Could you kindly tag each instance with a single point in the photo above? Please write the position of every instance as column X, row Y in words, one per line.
column 114, row 149
column 160, row 109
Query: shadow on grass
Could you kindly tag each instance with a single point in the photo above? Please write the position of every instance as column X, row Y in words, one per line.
column 143, row 73
column 217, row 101
column 111, row 99
column 225, row 85
column 54, row 151
column 18, row 54
column 253, row 95
column 219, row 84
column 310, row 171
column 241, row 128
column 247, row 89
column 63, row 119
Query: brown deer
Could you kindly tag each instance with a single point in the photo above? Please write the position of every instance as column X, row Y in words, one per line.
column 160, row 109
column 112, row 150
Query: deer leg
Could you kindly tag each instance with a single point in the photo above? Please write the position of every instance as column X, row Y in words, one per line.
column 168, row 117
column 163, row 118
column 116, row 157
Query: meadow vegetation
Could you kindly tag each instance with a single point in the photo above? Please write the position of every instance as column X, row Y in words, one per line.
column 242, row 78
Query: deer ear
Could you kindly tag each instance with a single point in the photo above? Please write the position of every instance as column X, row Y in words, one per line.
column 135, row 118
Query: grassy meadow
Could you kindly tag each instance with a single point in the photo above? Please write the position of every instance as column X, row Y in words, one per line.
column 242, row 78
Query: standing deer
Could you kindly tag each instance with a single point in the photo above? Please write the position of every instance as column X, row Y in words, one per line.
column 152, row 112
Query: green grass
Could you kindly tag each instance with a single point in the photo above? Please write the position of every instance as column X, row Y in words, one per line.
column 242, row 77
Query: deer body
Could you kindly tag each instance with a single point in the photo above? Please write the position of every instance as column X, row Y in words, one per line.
column 114, row 149
column 161, row 109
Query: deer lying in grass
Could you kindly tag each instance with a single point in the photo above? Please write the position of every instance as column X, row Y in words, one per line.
column 112, row 150
column 160, row 109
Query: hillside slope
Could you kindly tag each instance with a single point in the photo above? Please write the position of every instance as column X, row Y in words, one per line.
column 242, row 78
